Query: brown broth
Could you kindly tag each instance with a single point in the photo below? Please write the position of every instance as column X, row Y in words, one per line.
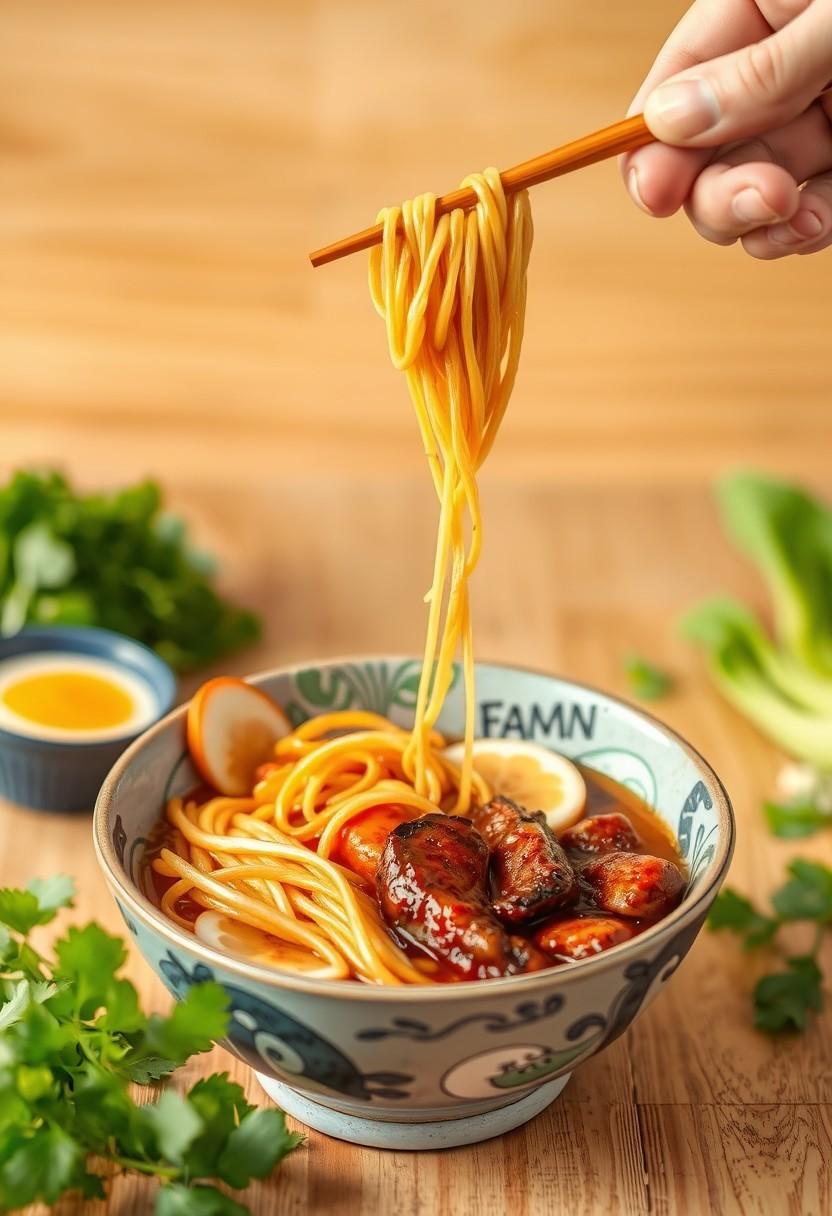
column 604, row 795
column 154, row 885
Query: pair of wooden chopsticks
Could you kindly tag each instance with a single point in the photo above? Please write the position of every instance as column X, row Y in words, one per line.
column 623, row 136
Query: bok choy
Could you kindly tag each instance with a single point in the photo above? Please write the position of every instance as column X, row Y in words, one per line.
column 781, row 682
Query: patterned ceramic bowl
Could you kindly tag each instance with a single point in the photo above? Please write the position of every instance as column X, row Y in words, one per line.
column 430, row 1066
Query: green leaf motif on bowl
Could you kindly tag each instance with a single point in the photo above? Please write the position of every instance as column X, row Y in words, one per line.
column 378, row 687
column 626, row 767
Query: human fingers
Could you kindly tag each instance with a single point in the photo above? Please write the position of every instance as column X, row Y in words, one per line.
column 659, row 177
column 756, row 182
column 808, row 231
column 754, row 89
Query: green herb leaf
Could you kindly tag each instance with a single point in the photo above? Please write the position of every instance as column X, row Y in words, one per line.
column 255, row 1147
column 175, row 1125
column 13, row 1009
column 72, row 1036
column 111, row 560
column 41, row 559
column 193, row 1024
column 736, row 913
column 793, row 820
column 221, row 1104
column 783, row 1001
column 122, row 1013
column 807, row 895
column 88, row 958
column 37, row 905
column 53, row 893
column 144, row 1069
column 41, row 1166
column 647, row 682
column 178, row 1200
column 34, row 1083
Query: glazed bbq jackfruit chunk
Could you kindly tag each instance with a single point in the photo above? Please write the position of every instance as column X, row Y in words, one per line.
column 632, row 884
column 432, row 889
column 529, row 871
column 610, row 833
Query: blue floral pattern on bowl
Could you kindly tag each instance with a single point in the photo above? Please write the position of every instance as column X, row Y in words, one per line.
column 439, row 1052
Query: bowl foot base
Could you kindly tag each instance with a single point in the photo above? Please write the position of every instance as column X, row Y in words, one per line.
column 444, row 1133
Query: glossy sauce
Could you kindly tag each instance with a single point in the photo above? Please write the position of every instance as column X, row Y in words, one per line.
column 604, row 795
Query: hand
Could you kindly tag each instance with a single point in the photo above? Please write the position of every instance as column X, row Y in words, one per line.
column 735, row 90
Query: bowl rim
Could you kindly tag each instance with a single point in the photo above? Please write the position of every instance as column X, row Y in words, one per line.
column 158, row 674
column 271, row 977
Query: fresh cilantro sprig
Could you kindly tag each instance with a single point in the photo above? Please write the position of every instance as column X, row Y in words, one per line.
column 117, row 560
column 784, row 999
column 73, row 1037
column 794, row 820
column 805, row 803
column 647, row 682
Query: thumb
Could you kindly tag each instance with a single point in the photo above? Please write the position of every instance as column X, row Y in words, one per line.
column 755, row 89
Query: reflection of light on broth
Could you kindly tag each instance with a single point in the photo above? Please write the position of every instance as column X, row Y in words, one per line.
column 59, row 695
column 244, row 941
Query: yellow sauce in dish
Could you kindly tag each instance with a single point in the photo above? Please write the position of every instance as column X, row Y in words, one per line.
column 74, row 697
column 69, row 700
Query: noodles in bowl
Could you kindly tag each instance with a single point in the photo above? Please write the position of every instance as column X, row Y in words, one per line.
column 303, row 861
column 362, row 849
column 271, row 879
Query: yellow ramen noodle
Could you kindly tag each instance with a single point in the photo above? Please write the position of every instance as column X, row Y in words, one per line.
column 452, row 292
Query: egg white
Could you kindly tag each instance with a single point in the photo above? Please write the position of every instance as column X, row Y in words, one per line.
column 145, row 706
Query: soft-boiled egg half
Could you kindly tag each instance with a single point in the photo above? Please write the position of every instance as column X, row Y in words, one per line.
column 69, row 696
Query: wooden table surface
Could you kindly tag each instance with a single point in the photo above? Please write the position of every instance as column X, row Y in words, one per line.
column 164, row 167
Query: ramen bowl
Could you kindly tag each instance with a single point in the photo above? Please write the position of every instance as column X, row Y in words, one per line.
column 431, row 1066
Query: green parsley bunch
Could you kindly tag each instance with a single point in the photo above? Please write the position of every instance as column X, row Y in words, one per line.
column 117, row 560
column 73, row 1037
column 783, row 1000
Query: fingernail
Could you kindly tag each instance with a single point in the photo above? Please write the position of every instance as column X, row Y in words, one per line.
column 682, row 109
column 635, row 193
column 807, row 223
column 804, row 226
column 750, row 207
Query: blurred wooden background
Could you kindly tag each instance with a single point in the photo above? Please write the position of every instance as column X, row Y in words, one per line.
column 164, row 169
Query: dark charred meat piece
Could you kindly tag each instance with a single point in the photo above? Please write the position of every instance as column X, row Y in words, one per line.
column 432, row 888
column 632, row 884
column 530, row 873
column 582, row 936
column 612, row 833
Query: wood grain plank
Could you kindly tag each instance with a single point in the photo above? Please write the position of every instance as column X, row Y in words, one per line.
column 739, row 1160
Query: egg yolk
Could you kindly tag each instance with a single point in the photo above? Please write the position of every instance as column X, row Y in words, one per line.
column 69, row 700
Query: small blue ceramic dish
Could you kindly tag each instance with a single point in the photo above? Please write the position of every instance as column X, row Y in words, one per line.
column 64, row 774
